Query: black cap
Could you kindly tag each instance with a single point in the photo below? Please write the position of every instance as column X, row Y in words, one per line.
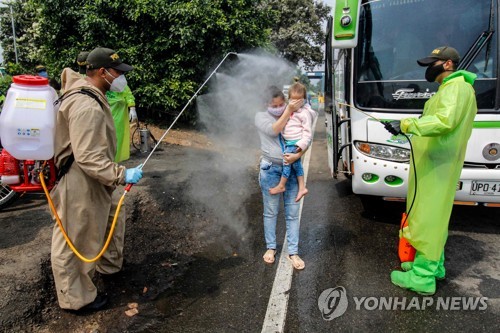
column 440, row 53
column 81, row 60
column 107, row 58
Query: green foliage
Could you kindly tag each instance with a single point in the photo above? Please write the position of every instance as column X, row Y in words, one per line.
column 172, row 44
column 297, row 31
column 16, row 69
column 5, row 82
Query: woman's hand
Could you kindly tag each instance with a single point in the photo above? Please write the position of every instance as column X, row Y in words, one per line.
column 292, row 157
column 295, row 104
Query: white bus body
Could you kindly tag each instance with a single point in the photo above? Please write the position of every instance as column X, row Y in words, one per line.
column 379, row 78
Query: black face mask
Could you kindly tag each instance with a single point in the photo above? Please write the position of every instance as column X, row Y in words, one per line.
column 433, row 72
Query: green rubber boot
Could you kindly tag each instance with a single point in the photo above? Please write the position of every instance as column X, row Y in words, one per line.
column 421, row 278
column 440, row 272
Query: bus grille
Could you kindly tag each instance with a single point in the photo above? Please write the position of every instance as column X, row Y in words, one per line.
column 470, row 165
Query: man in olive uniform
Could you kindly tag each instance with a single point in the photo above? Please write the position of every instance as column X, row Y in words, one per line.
column 85, row 145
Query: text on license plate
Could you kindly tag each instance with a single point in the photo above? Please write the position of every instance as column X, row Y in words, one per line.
column 485, row 188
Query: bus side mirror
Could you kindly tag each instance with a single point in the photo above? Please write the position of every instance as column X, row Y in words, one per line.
column 345, row 24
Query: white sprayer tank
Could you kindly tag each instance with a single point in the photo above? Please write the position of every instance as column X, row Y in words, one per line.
column 27, row 121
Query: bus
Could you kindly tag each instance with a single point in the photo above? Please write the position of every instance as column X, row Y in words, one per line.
column 371, row 74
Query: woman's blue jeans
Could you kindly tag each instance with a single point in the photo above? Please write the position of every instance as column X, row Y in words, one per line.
column 269, row 176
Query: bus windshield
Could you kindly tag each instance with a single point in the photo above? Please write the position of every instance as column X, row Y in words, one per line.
column 393, row 34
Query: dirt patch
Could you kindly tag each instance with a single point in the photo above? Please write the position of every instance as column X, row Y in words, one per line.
column 163, row 234
column 181, row 137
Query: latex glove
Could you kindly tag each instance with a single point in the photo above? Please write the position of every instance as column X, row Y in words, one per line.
column 133, row 175
column 132, row 114
column 393, row 127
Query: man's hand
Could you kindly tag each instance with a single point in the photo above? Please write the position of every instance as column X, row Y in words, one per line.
column 393, row 127
column 133, row 175
column 132, row 114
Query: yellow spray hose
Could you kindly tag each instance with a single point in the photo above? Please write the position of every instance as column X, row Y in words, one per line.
column 127, row 188
column 66, row 237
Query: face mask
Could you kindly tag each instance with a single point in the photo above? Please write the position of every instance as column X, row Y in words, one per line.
column 433, row 72
column 119, row 83
column 43, row 74
column 277, row 112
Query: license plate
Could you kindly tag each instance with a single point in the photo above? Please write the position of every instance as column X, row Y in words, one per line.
column 485, row 188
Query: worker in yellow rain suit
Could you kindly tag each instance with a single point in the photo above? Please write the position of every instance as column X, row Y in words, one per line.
column 439, row 142
column 122, row 106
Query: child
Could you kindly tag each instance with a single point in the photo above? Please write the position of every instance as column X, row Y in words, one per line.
column 297, row 135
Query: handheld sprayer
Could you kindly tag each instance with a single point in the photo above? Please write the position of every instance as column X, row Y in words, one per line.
column 128, row 187
column 405, row 248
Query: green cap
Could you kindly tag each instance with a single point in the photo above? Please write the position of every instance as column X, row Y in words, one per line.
column 81, row 60
column 40, row 68
column 440, row 53
column 107, row 58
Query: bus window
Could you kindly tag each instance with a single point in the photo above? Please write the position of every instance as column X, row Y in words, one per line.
column 339, row 79
column 394, row 34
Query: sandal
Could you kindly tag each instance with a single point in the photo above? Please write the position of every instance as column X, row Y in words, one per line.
column 269, row 256
column 297, row 263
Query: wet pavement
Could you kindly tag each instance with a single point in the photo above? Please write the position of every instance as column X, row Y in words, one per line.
column 343, row 246
column 225, row 286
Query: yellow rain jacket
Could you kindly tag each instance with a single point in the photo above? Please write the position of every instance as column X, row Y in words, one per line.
column 119, row 103
column 439, row 142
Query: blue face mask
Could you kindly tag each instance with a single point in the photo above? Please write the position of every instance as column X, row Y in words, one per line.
column 43, row 74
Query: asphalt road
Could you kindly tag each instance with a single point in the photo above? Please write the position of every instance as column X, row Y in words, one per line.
column 226, row 286
column 345, row 247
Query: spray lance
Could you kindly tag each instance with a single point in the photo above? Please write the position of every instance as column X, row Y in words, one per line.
column 128, row 187
column 405, row 249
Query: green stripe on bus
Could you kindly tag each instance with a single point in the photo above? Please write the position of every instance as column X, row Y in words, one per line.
column 486, row 124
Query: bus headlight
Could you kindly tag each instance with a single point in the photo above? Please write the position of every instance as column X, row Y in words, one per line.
column 383, row 152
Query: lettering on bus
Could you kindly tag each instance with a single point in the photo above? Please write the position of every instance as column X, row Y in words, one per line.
column 408, row 93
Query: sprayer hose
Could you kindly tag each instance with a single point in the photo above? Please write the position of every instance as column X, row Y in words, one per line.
column 66, row 237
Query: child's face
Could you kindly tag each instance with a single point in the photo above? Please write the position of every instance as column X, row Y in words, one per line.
column 277, row 102
column 295, row 95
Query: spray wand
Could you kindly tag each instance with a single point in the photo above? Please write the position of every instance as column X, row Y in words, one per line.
column 129, row 186
column 386, row 125
column 365, row 113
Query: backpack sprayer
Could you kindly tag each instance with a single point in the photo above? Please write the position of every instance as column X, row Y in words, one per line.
column 406, row 251
column 128, row 187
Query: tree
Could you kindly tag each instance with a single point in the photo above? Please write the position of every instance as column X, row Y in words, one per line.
column 297, row 30
column 171, row 43
column 22, row 20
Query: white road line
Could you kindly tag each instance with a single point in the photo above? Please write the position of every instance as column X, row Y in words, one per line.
column 277, row 307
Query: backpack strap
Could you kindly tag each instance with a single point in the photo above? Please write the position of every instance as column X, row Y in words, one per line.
column 67, row 165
